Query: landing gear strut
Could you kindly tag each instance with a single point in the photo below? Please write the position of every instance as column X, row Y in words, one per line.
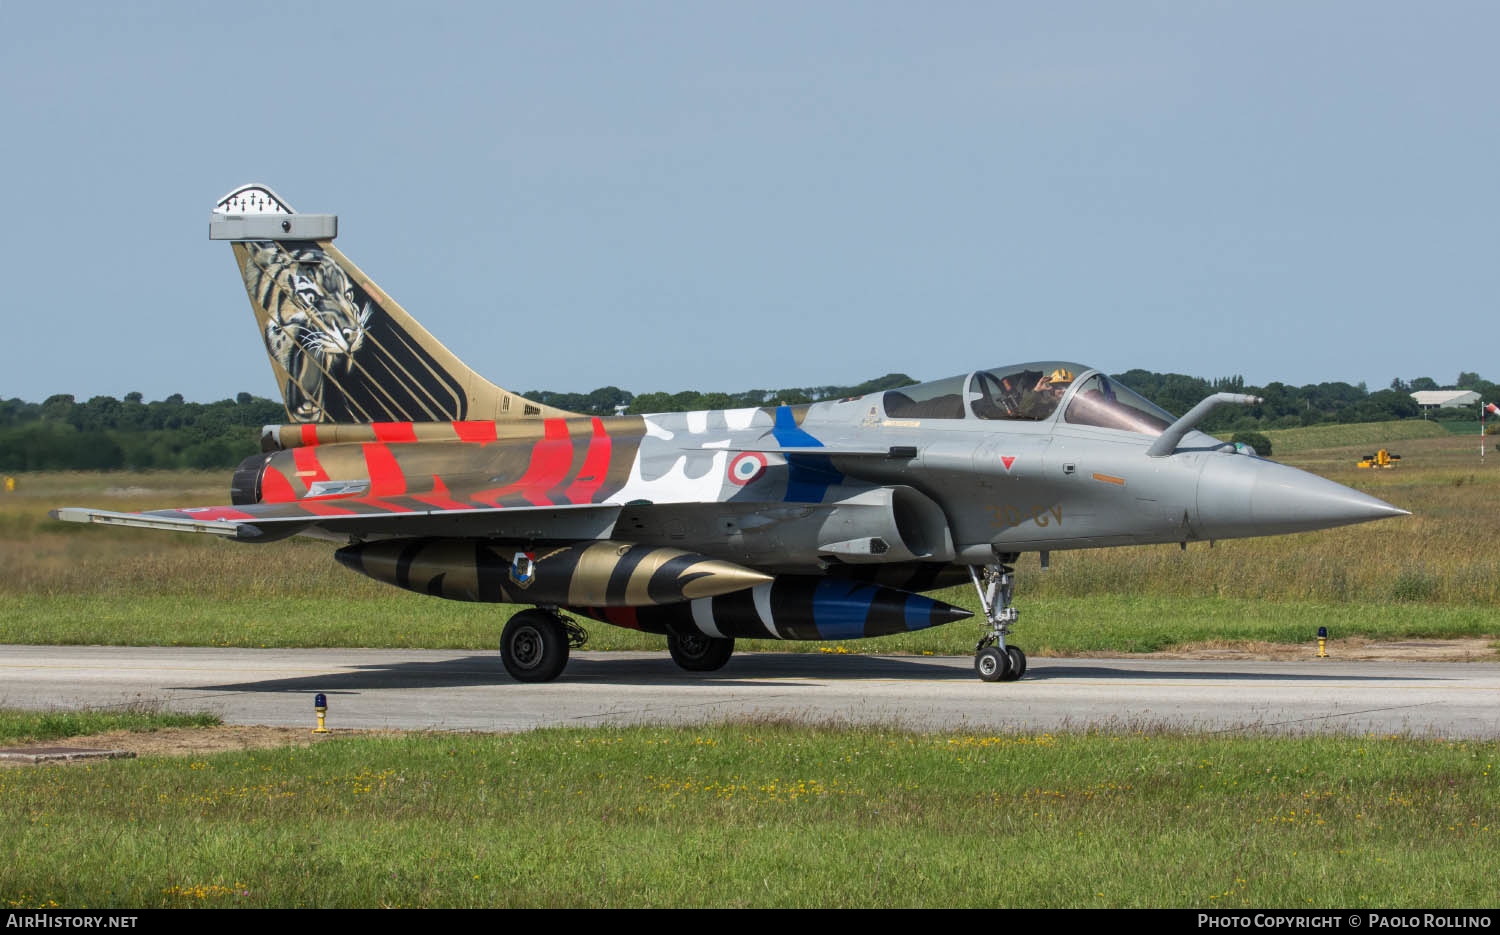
column 534, row 645
column 994, row 661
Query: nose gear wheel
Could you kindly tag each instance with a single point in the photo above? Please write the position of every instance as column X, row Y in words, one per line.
column 992, row 664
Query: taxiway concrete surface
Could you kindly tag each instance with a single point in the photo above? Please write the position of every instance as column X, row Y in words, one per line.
column 463, row 690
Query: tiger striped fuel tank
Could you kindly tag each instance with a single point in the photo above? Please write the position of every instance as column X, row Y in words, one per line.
column 605, row 573
column 793, row 607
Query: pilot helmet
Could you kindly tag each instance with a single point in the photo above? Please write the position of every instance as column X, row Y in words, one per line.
column 1062, row 376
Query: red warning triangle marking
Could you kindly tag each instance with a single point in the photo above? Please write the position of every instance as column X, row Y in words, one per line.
column 1007, row 461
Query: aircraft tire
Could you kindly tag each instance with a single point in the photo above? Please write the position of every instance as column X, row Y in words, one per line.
column 534, row 646
column 1017, row 663
column 697, row 653
column 992, row 664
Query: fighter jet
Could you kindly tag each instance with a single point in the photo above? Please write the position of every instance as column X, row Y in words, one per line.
column 827, row 521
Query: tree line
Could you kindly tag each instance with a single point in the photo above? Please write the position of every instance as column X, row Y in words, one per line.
column 104, row 433
column 1288, row 406
column 609, row 400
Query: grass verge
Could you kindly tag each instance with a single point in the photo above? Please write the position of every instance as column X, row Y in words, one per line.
column 19, row 725
column 1049, row 625
column 766, row 815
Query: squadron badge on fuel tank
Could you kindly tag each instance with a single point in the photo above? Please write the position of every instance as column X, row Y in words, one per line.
column 523, row 569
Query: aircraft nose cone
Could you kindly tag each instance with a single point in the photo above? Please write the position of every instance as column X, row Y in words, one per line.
column 1242, row 496
column 1313, row 502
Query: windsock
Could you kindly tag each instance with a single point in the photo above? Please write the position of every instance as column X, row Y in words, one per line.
column 1492, row 409
column 606, row 573
column 793, row 607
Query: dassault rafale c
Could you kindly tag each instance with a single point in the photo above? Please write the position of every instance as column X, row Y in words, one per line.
column 826, row 521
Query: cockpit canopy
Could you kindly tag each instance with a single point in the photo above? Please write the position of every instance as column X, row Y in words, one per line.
column 1033, row 392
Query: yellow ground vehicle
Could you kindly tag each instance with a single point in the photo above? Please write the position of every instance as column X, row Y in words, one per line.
column 1380, row 459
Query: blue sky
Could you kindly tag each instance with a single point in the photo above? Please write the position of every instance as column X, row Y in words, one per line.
column 664, row 196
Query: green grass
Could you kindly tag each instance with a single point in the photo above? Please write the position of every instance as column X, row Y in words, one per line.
column 766, row 815
column 1470, row 427
column 25, row 726
column 1288, row 441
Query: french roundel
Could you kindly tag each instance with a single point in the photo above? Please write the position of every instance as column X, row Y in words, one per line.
column 746, row 467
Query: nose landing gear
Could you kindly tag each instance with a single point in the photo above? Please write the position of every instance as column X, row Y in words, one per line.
column 994, row 661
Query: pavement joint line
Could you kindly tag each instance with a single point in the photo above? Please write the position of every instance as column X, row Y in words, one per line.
column 1321, row 717
column 202, row 694
column 675, row 707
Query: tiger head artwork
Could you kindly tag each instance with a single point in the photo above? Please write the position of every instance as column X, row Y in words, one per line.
column 312, row 319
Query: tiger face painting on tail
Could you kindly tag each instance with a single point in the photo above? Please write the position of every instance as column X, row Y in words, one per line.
column 313, row 321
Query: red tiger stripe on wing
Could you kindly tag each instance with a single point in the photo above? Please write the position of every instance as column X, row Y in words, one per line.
column 275, row 488
column 394, row 431
column 308, row 466
column 595, row 466
column 550, row 459
column 440, row 497
column 475, row 431
column 386, row 479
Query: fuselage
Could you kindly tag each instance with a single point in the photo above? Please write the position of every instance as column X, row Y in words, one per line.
column 950, row 472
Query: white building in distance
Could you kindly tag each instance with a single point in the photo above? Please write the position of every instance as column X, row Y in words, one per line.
column 1445, row 399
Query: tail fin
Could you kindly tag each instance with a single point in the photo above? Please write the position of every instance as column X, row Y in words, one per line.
column 341, row 349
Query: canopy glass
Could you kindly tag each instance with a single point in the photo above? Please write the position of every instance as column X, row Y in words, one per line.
column 1031, row 392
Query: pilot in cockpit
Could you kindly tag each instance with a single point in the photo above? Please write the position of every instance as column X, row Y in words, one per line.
column 1041, row 400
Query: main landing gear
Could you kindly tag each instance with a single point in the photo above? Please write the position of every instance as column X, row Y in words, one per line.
column 993, row 660
column 534, row 645
column 698, row 653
